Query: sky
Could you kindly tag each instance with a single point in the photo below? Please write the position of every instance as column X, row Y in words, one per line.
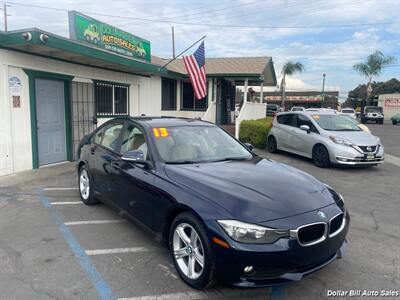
column 313, row 32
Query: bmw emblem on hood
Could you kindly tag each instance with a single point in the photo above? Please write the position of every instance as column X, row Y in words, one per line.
column 322, row 215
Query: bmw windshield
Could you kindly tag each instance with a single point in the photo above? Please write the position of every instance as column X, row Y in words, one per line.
column 197, row 144
column 336, row 123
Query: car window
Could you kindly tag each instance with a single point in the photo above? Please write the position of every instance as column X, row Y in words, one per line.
column 111, row 134
column 287, row 119
column 134, row 139
column 98, row 136
column 304, row 120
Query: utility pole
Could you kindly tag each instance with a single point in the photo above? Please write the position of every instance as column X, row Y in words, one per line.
column 173, row 42
column 323, row 89
column 4, row 9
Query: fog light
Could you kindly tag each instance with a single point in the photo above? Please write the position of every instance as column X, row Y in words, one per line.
column 248, row 269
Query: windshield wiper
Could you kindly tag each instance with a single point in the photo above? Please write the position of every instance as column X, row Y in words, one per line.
column 347, row 129
column 183, row 162
column 231, row 158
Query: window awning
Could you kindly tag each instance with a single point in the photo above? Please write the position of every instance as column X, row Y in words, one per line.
column 67, row 50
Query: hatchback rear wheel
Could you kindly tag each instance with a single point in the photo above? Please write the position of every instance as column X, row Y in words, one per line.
column 320, row 156
column 272, row 145
column 191, row 251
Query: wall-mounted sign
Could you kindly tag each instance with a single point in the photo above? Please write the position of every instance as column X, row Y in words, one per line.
column 16, row 100
column 392, row 102
column 15, row 85
column 102, row 35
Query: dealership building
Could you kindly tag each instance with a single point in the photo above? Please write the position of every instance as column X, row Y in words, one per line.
column 54, row 90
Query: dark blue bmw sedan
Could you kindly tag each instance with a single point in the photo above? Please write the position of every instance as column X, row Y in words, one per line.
column 225, row 213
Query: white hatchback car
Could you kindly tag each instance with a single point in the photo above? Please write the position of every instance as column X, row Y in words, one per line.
column 325, row 137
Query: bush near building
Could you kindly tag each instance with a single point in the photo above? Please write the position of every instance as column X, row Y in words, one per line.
column 255, row 131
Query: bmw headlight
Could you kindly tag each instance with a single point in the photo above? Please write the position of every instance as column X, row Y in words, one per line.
column 251, row 233
column 336, row 196
column 341, row 141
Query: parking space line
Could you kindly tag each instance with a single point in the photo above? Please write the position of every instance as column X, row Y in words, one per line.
column 101, row 286
column 116, row 250
column 173, row 296
column 392, row 159
column 60, row 189
column 95, row 222
column 66, row 202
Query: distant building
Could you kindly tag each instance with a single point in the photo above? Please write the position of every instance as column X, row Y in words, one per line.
column 306, row 99
column 390, row 104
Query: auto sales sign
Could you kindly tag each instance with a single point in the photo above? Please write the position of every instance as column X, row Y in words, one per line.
column 392, row 102
column 102, row 35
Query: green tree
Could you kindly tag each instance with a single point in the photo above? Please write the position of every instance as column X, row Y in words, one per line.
column 289, row 68
column 373, row 66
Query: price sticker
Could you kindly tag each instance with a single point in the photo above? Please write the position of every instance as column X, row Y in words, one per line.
column 160, row 132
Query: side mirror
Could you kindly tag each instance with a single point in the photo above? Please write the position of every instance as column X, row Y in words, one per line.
column 305, row 128
column 249, row 146
column 134, row 156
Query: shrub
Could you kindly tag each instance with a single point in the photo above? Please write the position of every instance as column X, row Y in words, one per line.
column 255, row 131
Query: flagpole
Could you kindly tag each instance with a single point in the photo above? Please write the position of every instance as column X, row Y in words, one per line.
column 182, row 52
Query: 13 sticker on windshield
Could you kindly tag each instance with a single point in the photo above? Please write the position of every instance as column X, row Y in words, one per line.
column 160, row 132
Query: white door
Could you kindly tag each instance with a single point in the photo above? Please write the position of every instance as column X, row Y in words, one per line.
column 50, row 116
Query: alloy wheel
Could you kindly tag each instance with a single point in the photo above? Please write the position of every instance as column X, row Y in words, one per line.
column 84, row 184
column 188, row 251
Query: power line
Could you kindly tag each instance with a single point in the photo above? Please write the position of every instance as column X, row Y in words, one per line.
column 218, row 25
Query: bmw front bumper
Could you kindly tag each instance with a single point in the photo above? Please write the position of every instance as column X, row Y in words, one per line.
column 279, row 263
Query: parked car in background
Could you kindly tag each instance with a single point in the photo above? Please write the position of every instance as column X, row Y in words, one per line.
column 349, row 111
column 395, row 119
column 372, row 113
column 326, row 138
column 298, row 108
column 225, row 213
column 272, row 109
column 313, row 109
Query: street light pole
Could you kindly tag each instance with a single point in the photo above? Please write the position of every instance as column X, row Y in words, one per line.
column 5, row 15
column 323, row 89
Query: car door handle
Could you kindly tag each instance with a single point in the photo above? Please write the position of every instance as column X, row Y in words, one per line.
column 92, row 150
column 115, row 164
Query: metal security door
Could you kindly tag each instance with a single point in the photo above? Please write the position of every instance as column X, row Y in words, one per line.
column 50, row 115
column 83, row 117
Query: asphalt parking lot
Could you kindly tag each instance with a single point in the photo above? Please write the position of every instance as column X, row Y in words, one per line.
column 54, row 247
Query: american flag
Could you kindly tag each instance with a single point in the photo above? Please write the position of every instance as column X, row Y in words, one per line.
column 196, row 67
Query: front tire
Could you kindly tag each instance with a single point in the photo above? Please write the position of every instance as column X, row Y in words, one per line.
column 191, row 251
column 272, row 145
column 394, row 122
column 86, row 186
column 320, row 156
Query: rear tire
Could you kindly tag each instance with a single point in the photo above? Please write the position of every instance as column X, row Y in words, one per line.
column 320, row 156
column 188, row 238
column 394, row 122
column 272, row 145
column 381, row 122
column 85, row 186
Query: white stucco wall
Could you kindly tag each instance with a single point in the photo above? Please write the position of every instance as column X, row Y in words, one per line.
column 15, row 125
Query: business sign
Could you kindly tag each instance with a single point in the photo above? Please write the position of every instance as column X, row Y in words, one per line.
column 102, row 35
column 392, row 102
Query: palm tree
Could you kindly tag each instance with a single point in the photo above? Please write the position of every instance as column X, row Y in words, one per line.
column 373, row 67
column 289, row 68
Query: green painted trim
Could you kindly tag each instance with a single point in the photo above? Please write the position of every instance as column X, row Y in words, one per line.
column 32, row 103
column 57, row 42
column 32, row 76
column 68, row 118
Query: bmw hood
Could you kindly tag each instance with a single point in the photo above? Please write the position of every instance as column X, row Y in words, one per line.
column 360, row 138
column 253, row 191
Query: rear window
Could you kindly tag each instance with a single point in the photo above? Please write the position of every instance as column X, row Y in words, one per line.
column 348, row 111
column 373, row 109
column 272, row 107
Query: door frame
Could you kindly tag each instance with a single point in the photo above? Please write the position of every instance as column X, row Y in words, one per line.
column 66, row 79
